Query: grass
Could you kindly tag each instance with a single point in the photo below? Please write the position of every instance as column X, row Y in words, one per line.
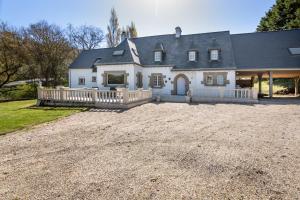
column 265, row 87
column 16, row 115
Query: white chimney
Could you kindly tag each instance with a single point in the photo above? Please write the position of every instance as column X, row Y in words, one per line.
column 123, row 36
column 178, row 32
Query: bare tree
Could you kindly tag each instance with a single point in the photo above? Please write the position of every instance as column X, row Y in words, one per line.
column 50, row 51
column 12, row 53
column 114, row 32
column 85, row 37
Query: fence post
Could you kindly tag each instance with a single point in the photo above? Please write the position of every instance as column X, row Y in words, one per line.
column 124, row 93
column 61, row 94
column 140, row 93
column 94, row 95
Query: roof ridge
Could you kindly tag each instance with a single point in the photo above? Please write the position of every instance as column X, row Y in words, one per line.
column 181, row 35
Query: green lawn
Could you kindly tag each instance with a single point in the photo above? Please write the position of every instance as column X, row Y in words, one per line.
column 20, row 114
column 265, row 87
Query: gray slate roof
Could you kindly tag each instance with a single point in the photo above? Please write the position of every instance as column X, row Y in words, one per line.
column 266, row 49
column 244, row 51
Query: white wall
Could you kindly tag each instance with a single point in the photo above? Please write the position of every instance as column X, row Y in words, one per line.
column 195, row 77
column 75, row 74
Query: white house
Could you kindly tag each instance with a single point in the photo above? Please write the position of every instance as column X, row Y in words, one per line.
column 174, row 64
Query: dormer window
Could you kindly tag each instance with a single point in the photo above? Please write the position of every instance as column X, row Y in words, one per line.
column 214, row 54
column 192, row 55
column 157, row 56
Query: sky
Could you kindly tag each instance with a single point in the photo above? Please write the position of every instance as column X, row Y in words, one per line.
column 152, row 17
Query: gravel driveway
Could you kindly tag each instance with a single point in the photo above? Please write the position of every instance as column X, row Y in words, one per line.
column 158, row 151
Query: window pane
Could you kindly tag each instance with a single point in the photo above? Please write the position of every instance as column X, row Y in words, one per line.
column 220, row 80
column 115, row 79
column 157, row 56
column 81, row 81
column 209, row 80
column 94, row 79
column 192, row 56
column 214, row 54
column 157, row 80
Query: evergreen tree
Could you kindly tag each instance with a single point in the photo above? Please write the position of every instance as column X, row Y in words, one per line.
column 285, row 14
column 131, row 31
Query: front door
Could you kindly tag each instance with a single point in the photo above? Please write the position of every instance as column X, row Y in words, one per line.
column 181, row 86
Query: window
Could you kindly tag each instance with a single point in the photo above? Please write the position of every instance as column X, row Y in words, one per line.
column 94, row 69
column 214, row 54
column 139, row 79
column 157, row 56
column 192, row 55
column 220, row 80
column 157, row 80
column 209, row 80
column 118, row 52
column 115, row 78
column 94, row 79
column 295, row 51
column 81, row 81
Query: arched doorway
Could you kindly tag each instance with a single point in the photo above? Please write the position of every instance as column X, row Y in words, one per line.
column 181, row 85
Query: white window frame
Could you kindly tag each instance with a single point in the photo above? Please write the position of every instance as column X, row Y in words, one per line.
column 81, row 82
column 211, row 82
column 93, row 79
column 192, row 55
column 156, row 82
column 214, row 54
column 157, row 56
column 220, row 80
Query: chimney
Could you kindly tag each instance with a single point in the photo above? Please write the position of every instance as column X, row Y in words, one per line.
column 178, row 32
column 123, row 36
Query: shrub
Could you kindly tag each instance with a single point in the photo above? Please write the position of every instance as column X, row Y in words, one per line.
column 26, row 91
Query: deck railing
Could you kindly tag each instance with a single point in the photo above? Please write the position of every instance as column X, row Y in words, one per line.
column 99, row 98
column 222, row 93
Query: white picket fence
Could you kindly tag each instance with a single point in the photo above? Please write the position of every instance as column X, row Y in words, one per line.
column 98, row 98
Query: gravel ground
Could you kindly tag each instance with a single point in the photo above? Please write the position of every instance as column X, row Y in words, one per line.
column 158, row 151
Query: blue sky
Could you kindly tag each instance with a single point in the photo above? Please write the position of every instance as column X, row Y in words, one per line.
column 152, row 17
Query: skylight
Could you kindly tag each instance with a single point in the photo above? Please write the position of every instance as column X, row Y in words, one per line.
column 118, row 52
column 295, row 51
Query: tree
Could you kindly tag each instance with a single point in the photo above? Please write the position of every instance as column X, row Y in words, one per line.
column 13, row 54
column 50, row 52
column 85, row 37
column 114, row 32
column 131, row 31
column 285, row 14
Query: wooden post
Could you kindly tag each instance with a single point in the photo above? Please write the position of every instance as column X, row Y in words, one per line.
column 297, row 86
column 270, row 84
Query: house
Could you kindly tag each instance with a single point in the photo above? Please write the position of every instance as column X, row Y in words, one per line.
column 174, row 64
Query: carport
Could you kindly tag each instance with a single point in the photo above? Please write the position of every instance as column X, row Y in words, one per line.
column 269, row 74
column 267, row 55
